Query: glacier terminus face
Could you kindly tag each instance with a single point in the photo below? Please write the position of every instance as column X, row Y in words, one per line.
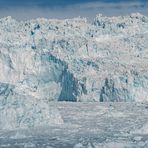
column 45, row 60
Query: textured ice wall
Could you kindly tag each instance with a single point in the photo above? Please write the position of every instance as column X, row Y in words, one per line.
column 73, row 60
column 69, row 60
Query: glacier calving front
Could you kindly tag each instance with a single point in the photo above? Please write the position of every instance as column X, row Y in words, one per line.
column 71, row 60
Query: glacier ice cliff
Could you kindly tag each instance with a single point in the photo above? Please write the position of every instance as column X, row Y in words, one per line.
column 45, row 60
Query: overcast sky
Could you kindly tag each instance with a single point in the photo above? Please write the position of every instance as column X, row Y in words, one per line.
column 29, row 9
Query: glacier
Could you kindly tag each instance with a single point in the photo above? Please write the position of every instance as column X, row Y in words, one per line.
column 44, row 60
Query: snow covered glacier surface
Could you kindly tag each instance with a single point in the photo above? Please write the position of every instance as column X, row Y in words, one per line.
column 45, row 60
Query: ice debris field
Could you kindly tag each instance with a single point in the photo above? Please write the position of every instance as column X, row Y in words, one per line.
column 44, row 61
